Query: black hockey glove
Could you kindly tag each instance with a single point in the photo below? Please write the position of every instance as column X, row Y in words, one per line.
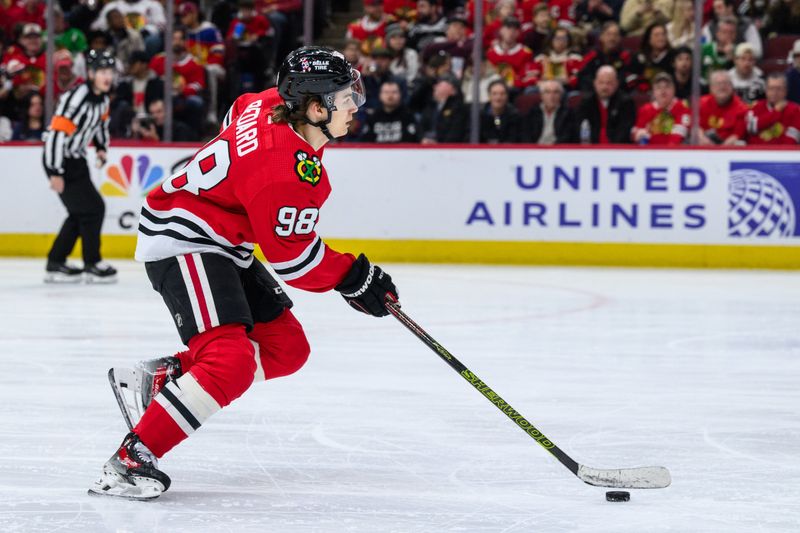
column 366, row 287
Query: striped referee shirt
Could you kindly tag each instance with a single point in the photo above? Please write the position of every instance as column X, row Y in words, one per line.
column 81, row 117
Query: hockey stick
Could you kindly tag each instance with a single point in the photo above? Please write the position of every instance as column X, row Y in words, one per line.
column 643, row 477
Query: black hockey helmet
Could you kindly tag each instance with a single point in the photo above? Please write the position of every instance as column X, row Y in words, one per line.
column 97, row 59
column 318, row 71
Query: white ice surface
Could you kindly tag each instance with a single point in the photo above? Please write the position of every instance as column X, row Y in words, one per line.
column 698, row 371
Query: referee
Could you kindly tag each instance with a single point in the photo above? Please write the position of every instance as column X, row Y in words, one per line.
column 81, row 117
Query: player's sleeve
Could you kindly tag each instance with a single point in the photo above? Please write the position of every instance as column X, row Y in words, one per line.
column 294, row 250
column 102, row 135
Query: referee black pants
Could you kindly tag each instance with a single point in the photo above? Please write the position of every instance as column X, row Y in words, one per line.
column 86, row 211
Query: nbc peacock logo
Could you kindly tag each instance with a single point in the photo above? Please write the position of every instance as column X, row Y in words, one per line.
column 128, row 177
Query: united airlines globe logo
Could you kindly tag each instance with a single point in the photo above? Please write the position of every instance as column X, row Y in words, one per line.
column 759, row 206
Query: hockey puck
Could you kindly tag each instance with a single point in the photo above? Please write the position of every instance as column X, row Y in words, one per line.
column 618, row 496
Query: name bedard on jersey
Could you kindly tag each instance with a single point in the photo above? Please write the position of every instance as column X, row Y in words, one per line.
column 256, row 182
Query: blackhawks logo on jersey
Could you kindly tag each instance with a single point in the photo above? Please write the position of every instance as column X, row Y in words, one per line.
column 308, row 169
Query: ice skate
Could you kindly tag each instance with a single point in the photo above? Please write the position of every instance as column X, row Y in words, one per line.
column 62, row 273
column 131, row 473
column 100, row 272
column 134, row 388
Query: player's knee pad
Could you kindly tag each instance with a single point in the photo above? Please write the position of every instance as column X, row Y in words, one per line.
column 224, row 362
column 282, row 346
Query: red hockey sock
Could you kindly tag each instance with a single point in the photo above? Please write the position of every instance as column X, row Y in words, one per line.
column 223, row 368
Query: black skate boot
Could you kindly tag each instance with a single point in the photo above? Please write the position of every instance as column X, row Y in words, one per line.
column 134, row 388
column 61, row 273
column 131, row 473
column 100, row 272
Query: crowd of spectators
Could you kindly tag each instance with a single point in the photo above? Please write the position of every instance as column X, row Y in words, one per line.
column 552, row 71
column 578, row 71
column 221, row 48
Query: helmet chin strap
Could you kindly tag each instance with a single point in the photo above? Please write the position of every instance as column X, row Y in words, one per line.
column 323, row 124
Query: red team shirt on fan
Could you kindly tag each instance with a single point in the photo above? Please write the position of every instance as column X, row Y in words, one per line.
column 256, row 182
column 728, row 120
column 767, row 125
column 666, row 126
column 510, row 62
column 192, row 74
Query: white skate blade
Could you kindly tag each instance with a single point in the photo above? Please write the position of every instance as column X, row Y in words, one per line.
column 114, row 485
column 60, row 277
column 91, row 279
column 127, row 388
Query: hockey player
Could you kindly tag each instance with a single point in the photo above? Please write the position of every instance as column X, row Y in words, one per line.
column 261, row 180
column 81, row 117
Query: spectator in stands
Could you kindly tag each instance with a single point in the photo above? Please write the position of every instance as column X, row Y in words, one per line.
column 502, row 10
column 783, row 16
column 507, row 54
column 204, row 42
column 722, row 113
column 31, row 126
column 352, row 53
column 402, row 10
column 391, row 122
column 774, row 120
column 745, row 29
column 377, row 74
column 488, row 76
column 405, row 63
column 25, row 63
column 151, row 127
column 135, row 90
column 203, row 39
column 428, row 25
column 682, row 68
column 248, row 26
column 551, row 122
column 500, row 121
column 718, row 54
column 145, row 16
column 456, row 44
column 535, row 36
column 557, row 63
column 608, row 112
column 665, row 120
column 189, row 82
column 609, row 51
column 655, row 55
column 124, row 40
column 69, row 38
column 637, row 15
column 594, row 13
column 747, row 78
column 248, row 35
column 563, row 12
column 446, row 119
column 370, row 30
column 680, row 31
column 65, row 78
column 22, row 13
column 433, row 69
column 282, row 15
column 793, row 74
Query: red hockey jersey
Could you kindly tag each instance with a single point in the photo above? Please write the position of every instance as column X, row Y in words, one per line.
column 666, row 126
column 187, row 73
column 767, row 125
column 510, row 62
column 256, row 182
column 726, row 121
